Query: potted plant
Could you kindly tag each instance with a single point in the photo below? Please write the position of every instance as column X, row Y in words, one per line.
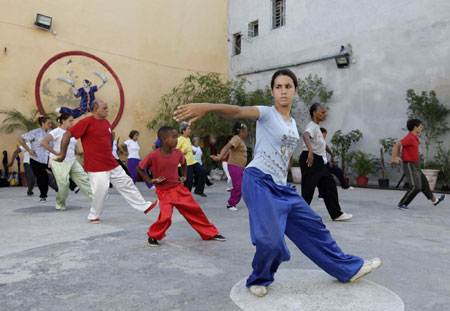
column 386, row 149
column 341, row 145
column 362, row 164
column 433, row 115
column 296, row 172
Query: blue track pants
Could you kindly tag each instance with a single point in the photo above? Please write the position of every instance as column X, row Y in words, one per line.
column 276, row 210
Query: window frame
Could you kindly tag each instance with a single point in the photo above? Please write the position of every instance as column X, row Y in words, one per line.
column 281, row 10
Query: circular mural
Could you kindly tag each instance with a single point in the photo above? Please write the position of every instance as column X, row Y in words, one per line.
column 79, row 67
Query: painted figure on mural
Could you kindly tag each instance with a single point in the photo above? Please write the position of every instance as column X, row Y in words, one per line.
column 87, row 94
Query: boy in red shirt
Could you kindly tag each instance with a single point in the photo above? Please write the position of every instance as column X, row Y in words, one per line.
column 163, row 163
column 411, row 168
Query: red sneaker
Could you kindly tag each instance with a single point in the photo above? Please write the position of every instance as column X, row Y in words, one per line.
column 94, row 221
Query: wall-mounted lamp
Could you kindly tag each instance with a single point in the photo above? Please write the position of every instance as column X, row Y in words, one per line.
column 44, row 22
column 343, row 60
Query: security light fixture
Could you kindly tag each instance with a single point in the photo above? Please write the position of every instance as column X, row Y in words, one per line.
column 44, row 22
column 343, row 60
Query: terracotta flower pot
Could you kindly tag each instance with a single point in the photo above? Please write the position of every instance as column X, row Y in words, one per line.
column 362, row 181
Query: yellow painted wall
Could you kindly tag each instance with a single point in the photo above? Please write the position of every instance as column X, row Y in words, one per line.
column 151, row 45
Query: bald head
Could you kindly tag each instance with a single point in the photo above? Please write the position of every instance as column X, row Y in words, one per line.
column 100, row 109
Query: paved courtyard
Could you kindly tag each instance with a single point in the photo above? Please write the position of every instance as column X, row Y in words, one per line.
column 56, row 260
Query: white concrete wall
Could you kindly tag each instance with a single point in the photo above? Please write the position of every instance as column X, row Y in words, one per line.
column 397, row 45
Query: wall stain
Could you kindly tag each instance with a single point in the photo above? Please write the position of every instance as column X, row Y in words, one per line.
column 45, row 89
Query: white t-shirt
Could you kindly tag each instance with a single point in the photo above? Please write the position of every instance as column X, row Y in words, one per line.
column 198, row 154
column 276, row 140
column 318, row 144
column 114, row 149
column 26, row 154
column 57, row 135
column 132, row 148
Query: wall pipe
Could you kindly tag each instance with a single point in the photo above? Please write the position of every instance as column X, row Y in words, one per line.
column 308, row 61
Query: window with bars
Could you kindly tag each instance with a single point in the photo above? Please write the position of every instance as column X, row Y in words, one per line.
column 278, row 13
column 237, row 43
column 253, row 29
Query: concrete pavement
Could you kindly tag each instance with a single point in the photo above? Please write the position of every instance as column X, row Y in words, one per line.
column 56, row 260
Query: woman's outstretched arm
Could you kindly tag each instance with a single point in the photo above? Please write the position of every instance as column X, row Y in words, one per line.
column 196, row 111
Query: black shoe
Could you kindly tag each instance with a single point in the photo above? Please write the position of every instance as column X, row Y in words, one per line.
column 30, row 193
column 202, row 194
column 153, row 242
column 218, row 237
column 439, row 200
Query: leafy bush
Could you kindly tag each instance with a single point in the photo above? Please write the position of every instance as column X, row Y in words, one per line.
column 386, row 148
column 433, row 114
column 341, row 144
column 362, row 163
column 209, row 88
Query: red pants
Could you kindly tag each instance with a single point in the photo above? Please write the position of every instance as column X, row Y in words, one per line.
column 182, row 199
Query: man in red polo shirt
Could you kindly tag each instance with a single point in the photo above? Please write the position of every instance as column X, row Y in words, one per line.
column 411, row 168
column 95, row 133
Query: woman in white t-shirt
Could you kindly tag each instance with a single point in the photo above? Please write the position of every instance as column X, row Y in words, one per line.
column 69, row 168
column 275, row 208
column 314, row 172
column 132, row 151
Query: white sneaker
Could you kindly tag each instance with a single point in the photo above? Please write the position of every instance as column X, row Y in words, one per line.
column 369, row 266
column 58, row 109
column 343, row 217
column 258, row 290
column 232, row 208
column 349, row 188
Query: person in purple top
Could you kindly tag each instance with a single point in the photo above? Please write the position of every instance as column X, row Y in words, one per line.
column 87, row 94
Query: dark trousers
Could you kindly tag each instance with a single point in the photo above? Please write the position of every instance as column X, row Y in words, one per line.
column 31, row 179
column 319, row 176
column 336, row 171
column 40, row 171
column 417, row 181
column 72, row 184
column 200, row 174
column 207, row 181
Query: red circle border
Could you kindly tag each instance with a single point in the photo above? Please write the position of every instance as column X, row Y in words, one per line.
column 37, row 87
